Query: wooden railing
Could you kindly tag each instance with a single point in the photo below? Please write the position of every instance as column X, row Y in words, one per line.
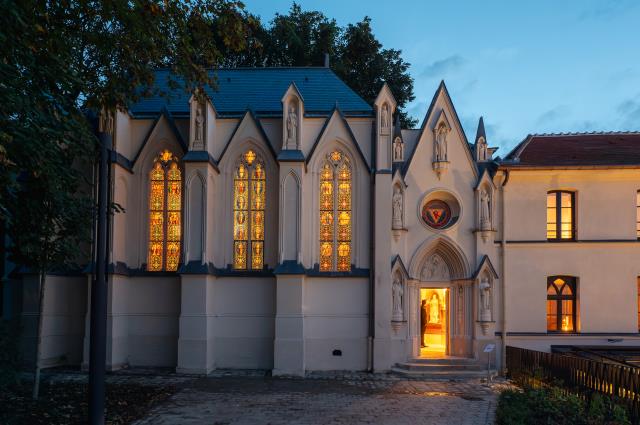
column 580, row 376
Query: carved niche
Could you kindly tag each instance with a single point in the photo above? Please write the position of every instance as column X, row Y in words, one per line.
column 397, row 291
column 292, row 126
column 385, row 120
column 292, row 117
column 441, row 132
column 198, row 124
column 485, row 302
column 397, row 207
column 485, row 209
column 398, row 150
column 482, row 150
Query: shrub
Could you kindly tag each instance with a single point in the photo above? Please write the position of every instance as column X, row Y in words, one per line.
column 553, row 406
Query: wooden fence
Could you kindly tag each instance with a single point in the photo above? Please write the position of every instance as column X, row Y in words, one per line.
column 577, row 375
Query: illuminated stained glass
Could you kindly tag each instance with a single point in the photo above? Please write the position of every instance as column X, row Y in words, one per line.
column 257, row 216
column 156, row 217
column 335, row 213
column 165, row 214
column 326, row 217
column 249, row 200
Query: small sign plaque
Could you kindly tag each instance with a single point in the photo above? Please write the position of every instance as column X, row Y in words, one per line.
column 489, row 348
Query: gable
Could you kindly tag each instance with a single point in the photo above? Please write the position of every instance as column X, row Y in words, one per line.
column 337, row 128
column 442, row 109
column 163, row 128
column 248, row 128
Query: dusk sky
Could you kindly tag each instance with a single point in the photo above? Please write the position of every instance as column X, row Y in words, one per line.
column 527, row 67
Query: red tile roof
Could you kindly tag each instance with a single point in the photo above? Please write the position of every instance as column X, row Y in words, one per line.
column 577, row 149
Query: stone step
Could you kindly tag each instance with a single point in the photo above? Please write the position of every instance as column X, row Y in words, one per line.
column 427, row 367
column 448, row 375
column 444, row 360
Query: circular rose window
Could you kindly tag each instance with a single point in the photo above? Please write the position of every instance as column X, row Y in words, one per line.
column 436, row 213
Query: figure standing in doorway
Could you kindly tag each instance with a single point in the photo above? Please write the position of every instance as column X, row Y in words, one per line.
column 423, row 322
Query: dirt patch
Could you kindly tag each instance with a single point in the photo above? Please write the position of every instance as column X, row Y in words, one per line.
column 67, row 403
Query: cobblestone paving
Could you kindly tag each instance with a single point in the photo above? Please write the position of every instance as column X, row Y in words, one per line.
column 252, row 399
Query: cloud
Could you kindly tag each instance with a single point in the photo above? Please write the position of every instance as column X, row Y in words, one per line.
column 438, row 68
column 629, row 111
column 553, row 115
column 417, row 110
column 606, row 9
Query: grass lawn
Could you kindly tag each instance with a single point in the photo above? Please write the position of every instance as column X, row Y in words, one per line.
column 67, row 403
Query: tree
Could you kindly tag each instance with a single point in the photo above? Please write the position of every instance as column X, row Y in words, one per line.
column 302, row 38
column 365, row 66
column 61, row 59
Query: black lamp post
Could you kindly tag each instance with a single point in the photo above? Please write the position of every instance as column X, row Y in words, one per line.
column 97, row 348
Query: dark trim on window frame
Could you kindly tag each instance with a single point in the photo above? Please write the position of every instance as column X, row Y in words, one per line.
column 558, row 237
column 572, row 281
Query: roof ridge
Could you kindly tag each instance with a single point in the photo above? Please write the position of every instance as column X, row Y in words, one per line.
column 586, row 133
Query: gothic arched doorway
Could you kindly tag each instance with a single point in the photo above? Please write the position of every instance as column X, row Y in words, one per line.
column 441, row 299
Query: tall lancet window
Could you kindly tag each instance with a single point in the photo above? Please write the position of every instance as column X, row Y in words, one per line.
column 335, row 213
column 165, row 213
column 249, row 187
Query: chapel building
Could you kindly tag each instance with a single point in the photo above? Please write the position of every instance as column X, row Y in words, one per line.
column 285, row 224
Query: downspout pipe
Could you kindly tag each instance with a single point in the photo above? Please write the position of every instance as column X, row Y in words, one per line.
column 503, row 266
column 372, row 250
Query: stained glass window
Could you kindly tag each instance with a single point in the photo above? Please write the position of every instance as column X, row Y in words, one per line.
column 335, row 213
column 560, row 215
column 165, row 213
column 249, row 199
column 561, row 304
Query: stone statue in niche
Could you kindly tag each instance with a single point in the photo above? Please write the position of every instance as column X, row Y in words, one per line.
column 484, row 289
column 384, row 116
column 485, row 210
column 441, row 143
column 485, row 296
column 198, row 137
column 435, row 269
column 292, row 127
column 397, row 149
column 482, row 150
column 398, row 298
column 397, row 208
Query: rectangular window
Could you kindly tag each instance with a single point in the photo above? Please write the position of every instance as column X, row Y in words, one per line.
column 561, row 304
column 560, row 215
column 638, row 214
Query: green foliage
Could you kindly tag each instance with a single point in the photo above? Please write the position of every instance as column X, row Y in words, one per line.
column 63, row 58
column 364, row 65
column 553, row 406
column 9, row 354
column 301, row 38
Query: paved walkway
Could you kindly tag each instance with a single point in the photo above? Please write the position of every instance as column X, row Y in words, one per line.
column 226, row 399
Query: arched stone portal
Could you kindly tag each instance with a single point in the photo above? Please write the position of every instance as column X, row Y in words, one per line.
column 440, row 278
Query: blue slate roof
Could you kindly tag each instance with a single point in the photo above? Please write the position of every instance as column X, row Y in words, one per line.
column 261, row 90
